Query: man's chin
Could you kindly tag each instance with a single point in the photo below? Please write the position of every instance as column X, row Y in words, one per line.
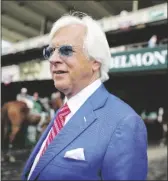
column 60, row 87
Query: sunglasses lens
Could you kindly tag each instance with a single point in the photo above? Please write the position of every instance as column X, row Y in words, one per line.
column 47, row 52
column 66, row 51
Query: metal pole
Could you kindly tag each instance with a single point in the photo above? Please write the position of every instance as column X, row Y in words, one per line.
column 134, row 5
column 43, row 29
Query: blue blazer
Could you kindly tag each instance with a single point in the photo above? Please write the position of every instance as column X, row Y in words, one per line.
column 114, row 139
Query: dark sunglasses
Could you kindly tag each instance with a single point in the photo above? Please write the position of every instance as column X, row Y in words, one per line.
column 64, row 51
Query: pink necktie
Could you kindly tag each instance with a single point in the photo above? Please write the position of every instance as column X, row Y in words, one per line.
column 57, row 125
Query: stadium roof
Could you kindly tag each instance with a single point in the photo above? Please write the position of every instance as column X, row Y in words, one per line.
column 23, row 19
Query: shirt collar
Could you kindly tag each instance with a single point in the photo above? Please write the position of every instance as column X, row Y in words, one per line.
column 75, row 102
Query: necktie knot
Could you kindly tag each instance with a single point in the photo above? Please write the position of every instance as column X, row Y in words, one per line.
column 64, row 111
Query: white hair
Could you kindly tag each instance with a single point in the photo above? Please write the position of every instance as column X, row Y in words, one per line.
column 95, row 41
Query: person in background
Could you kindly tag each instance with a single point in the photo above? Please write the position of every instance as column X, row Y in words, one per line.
column 56, row 102
column 40, row 110
column 23, row 96
column 152, row 41
column 38, row 106
column 94, row 135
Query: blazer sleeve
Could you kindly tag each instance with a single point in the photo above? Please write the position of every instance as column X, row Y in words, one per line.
column 126, row 155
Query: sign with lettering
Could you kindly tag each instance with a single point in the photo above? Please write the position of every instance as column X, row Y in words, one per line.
column 140, row 60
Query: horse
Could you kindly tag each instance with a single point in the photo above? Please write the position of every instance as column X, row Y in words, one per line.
column 16, row 119
column 16, row 116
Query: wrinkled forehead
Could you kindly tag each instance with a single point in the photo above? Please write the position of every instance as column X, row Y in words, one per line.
column 69, row 35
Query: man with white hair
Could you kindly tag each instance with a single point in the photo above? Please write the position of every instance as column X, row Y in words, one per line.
column 95, row 135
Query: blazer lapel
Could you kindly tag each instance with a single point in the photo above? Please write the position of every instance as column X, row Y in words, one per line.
column 36, row 149
column 84, row 117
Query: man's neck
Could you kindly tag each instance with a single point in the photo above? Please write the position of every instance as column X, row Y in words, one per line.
column 68, row 96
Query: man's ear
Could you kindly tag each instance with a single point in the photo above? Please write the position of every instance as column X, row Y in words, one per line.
column 96, row 65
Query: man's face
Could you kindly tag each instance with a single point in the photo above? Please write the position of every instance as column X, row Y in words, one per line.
column 73, row 72
column 36, row 96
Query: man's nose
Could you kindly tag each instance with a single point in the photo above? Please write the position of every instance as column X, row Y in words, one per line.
column 55, row 58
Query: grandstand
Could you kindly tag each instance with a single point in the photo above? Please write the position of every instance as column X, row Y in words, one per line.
column 137, row 71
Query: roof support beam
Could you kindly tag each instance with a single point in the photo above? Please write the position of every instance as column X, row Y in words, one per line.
column 58, row 7
column 18, row 26
column 11, row 35
column 110, row 9
column 90, row 7
column 97, row 7
column 30, row 17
